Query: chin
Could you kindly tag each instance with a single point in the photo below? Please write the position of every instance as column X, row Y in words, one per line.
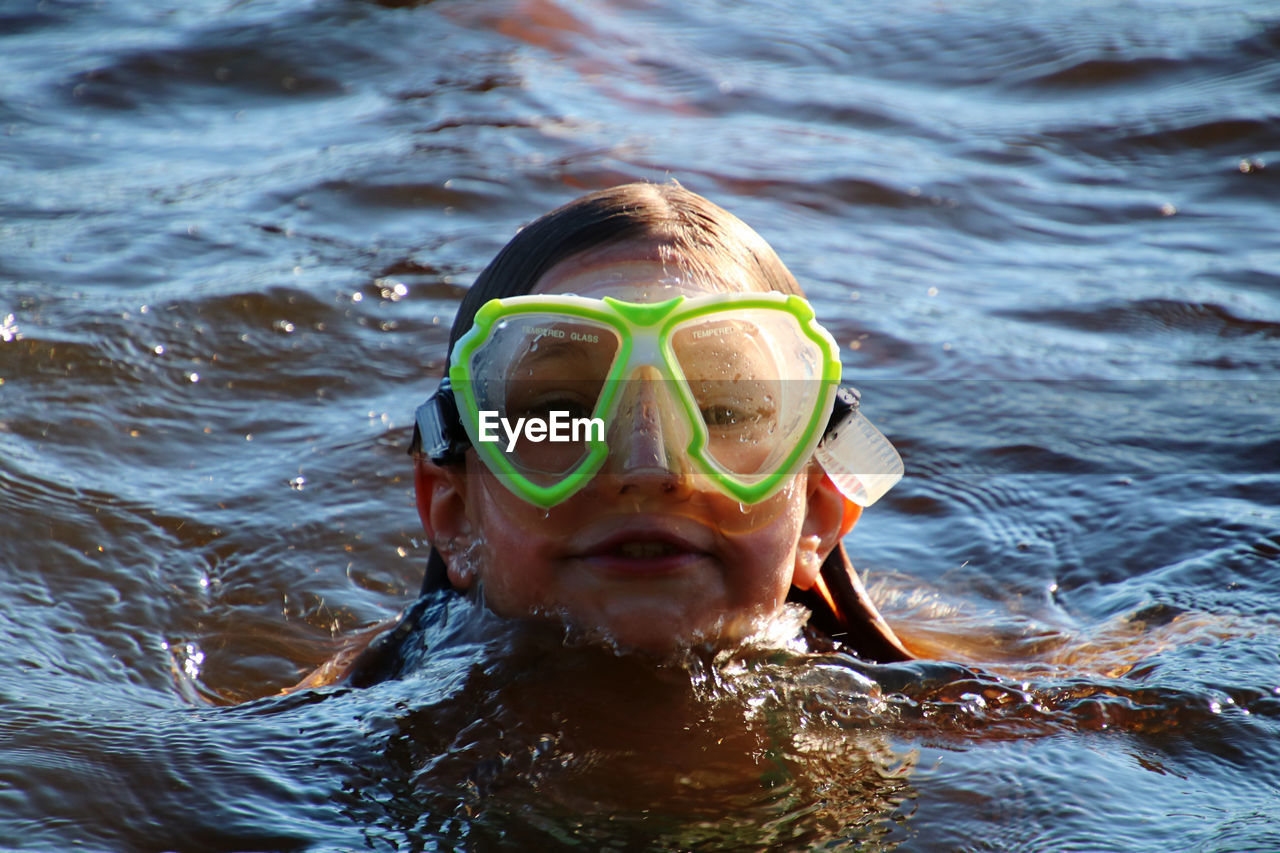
column 659, row 633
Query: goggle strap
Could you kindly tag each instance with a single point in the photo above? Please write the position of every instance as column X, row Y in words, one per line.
column 847, row 401
column 438, row 430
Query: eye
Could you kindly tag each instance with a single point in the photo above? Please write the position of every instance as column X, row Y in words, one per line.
column 723, row 416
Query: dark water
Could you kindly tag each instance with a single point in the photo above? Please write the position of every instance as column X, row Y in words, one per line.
column 233, row 235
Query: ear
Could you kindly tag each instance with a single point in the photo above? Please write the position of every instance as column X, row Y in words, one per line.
column 442, row 508
column 828, row 517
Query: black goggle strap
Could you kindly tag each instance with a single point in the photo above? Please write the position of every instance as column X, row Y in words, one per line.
column 437, row 428
column 438, row 431
column 846, row 405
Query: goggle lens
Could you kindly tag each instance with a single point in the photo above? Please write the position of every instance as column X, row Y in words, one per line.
column 754, row 378
column 534, row 365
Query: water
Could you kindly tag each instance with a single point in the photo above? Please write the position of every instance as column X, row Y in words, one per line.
column 232, row 238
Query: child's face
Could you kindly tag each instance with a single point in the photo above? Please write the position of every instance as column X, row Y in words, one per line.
column 641, row 553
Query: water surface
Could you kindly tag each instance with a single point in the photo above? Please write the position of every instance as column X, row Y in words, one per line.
column 233, row 236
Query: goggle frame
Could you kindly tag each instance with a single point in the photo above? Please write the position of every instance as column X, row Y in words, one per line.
column 653, row 322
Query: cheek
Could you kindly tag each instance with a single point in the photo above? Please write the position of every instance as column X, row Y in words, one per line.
column 765, row 558
column 514, row 544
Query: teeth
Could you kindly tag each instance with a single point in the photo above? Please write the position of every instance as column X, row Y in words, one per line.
column 645, row 550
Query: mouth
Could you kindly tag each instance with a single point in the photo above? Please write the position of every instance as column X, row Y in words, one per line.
column 654, row 550
column 644, row 550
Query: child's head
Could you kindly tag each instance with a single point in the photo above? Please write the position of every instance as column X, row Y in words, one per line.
column 665, row 538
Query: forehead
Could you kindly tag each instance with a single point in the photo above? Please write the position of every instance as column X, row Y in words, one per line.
column 635, row 273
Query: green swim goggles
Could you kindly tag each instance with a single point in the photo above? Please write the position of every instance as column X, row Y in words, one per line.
column 741, row 389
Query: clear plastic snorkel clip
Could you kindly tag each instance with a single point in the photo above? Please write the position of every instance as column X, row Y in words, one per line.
column 857, row 457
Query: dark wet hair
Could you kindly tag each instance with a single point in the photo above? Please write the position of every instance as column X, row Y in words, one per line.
column 698, row 237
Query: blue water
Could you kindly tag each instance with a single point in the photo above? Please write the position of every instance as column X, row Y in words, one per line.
column 233, row 236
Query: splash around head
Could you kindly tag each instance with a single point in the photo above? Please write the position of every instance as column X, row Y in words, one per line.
column 697, row 507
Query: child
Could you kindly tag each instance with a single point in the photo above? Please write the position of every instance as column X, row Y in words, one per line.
column 707, row 464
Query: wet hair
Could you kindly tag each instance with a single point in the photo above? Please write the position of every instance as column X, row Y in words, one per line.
column 696, row 237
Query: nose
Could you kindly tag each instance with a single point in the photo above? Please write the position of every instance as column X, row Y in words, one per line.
column 648, row 436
